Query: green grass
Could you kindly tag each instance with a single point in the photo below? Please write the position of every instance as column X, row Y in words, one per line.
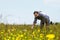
column 24, row 32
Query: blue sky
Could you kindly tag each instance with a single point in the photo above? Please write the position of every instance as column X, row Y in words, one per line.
column 21, row 11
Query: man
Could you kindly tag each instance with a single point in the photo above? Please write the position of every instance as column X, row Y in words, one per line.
column 44, row 19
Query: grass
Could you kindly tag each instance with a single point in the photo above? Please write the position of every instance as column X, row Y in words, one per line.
column 24, row 32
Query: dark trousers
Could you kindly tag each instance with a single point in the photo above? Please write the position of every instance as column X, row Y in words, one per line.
column 47, row 22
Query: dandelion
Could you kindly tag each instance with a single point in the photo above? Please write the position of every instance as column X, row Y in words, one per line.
column 5, row 38
column 13, row 38
column 29, row 39
column 11, row 34
column 22, row 35
column 38, row 30
column 8, row 30
column 25, row 37
column 51, row 30
column 41, row 35
column 18, row 38
column 2, row 32
column 8, row 39
column 33, row 33
column 50, row 36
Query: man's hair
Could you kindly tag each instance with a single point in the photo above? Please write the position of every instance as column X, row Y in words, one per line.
column 35, row 12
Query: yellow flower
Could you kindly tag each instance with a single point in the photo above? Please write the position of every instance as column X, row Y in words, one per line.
column 8, row 39
column 51, row 30
column 24, row 33
column 38, row 30
column 2, row 32
column 12, row 34
column 41, row 35
column 25, row 37
column 21, row 35
column 33, row 33
column 40, row 39
column 8, row 30
column 50, row 36
column 50, row 39
column 5, row 38
column 29, row 39
column 18, row 38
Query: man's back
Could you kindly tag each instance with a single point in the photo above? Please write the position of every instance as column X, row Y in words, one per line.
column 43, row 14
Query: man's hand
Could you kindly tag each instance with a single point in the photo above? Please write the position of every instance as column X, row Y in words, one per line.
column 33, row 25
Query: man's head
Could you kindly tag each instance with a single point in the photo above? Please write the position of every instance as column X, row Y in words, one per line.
column 36, row 13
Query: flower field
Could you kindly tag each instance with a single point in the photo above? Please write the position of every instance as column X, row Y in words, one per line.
column 24, row 32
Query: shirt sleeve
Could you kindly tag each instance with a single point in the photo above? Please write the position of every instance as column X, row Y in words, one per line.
column 35, row 20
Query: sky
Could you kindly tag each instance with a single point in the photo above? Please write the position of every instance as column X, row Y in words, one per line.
column 21, row 11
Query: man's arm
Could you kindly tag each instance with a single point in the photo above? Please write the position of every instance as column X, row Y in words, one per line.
column 35, row 21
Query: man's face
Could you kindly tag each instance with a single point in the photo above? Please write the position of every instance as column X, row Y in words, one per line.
column 36, row 14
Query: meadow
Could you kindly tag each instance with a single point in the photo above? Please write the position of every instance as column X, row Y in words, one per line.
column 24, row 32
